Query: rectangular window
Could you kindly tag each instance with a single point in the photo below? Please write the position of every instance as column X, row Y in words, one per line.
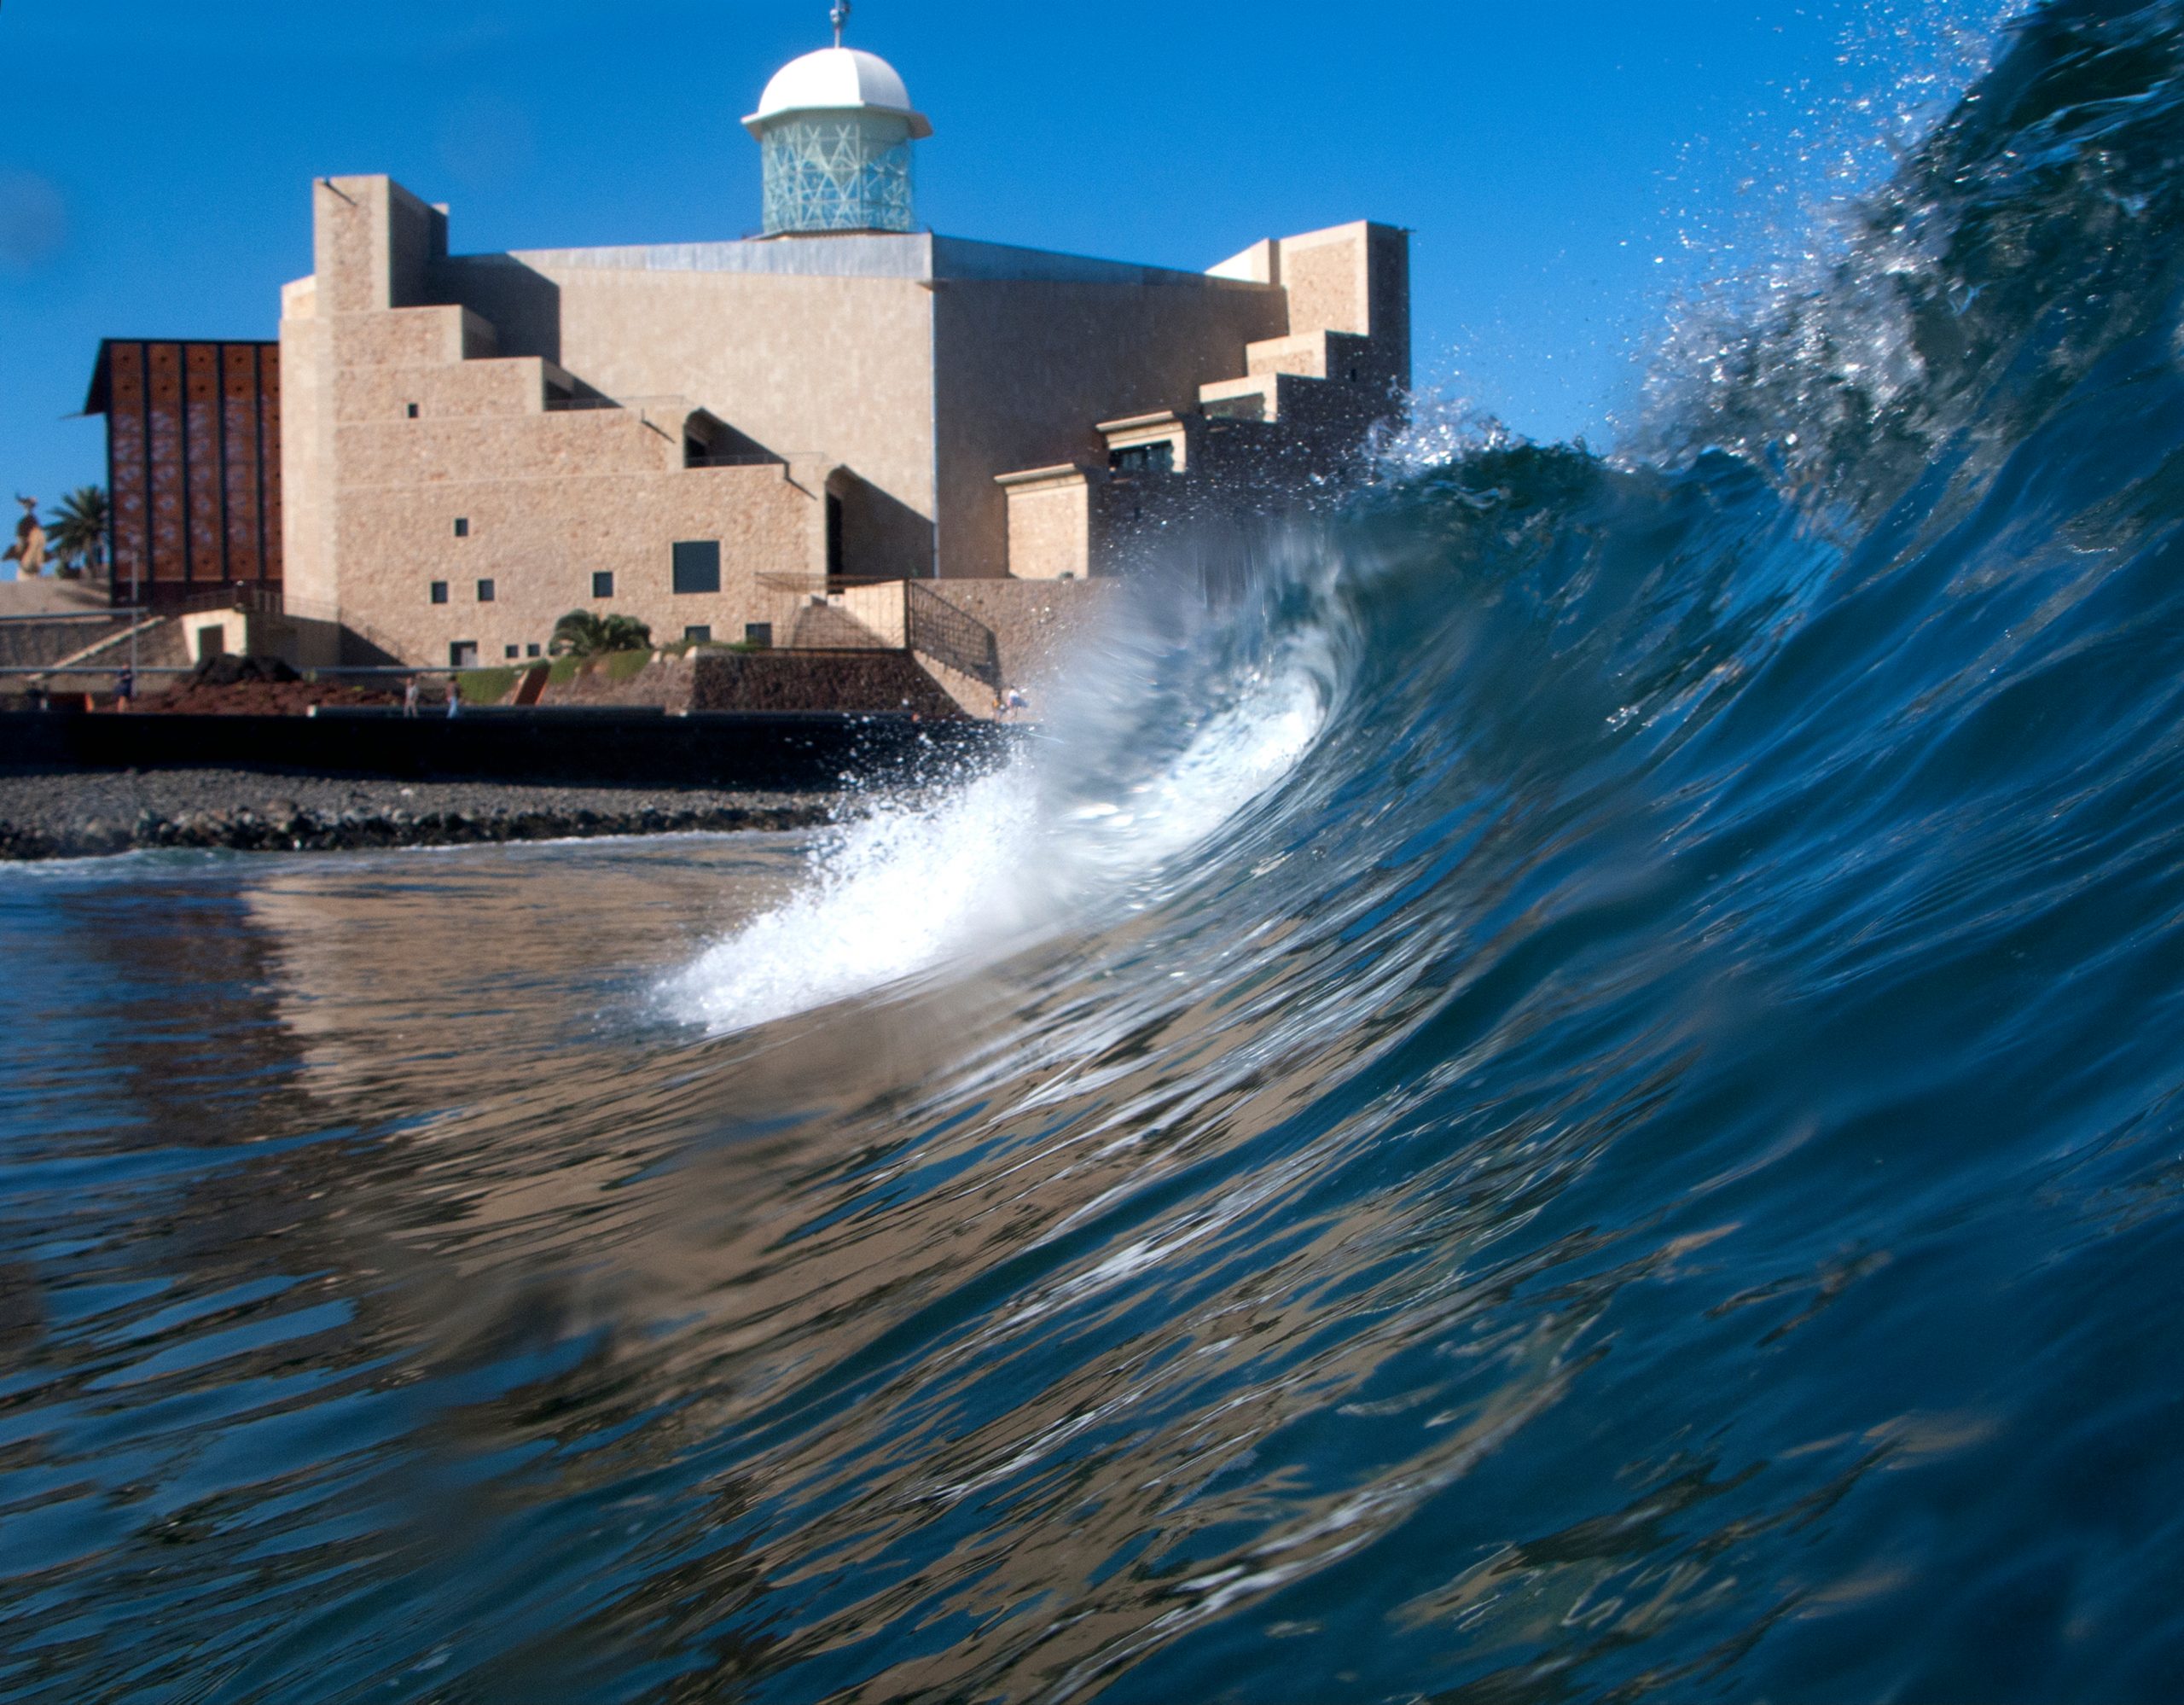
column 513, row 651
column 463, row 526
column 413, row 411
column 697, row 567
column 440, row 592
column 463, row 655
column 531, row 651
column 697, row 636
column 1144, row 458
column 602, row 583
column 758, row 633
column 484, row 591
column 1252, row 408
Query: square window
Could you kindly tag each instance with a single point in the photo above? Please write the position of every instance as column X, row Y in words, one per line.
column 463, row 655
column 697, row 636
column 513, row 651
column 463, row 526
column 697, row 567
column 440, row 592
column 484, row 591
column 602, row 583
column 531, row 651
column 1144, row 458
column 758, row 633
column 413, row 411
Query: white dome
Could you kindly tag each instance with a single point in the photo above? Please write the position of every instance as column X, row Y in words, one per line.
column 836, row 80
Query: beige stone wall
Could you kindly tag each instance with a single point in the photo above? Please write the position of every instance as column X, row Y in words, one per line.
column 473, row 387
column 373, row 245
column 1330, row 360
column 539, row 541
column 1038, row 625
column 878, row 610
column 1027, row 370
column 411, row 337
column 1324, row 274
column 833, row 375
column 829, row 370
column 891, row 395
column 1353, row 279
column 1049, row 527
column 306, row 453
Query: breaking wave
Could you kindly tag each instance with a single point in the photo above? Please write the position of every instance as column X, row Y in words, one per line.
column 1574, row 1096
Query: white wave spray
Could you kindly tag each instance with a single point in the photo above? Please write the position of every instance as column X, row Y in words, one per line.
column 1137, row 766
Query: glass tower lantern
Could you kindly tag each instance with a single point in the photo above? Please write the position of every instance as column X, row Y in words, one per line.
column 840, row 171
column 837, row 130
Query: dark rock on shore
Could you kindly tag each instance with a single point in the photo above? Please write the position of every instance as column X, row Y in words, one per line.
column 82, row 815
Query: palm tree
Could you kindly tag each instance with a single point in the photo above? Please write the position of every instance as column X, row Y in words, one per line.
column 581, row 633
column 78, row 530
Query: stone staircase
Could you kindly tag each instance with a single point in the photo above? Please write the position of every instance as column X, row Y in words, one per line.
column 828, row 627
column 954, row 649
column 161, row 643
column 39, row 642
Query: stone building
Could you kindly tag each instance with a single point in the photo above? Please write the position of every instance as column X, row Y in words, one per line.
column 718, row 439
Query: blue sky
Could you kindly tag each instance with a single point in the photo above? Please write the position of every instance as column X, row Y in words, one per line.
column 1565, row 166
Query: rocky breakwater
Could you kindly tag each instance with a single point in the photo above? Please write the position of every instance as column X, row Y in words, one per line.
column 63, row 816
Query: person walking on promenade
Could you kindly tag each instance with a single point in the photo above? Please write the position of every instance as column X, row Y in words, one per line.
column 409, row 697
column 454, row 697
column 124, row 690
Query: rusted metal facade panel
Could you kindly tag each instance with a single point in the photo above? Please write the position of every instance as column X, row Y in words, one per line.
column 169, row 465
column 193, row 464
column 239, row 416
column 129, row 460
column 269, row 460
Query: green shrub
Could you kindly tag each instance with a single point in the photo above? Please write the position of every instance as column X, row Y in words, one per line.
column 582, row 633
column 486, row 686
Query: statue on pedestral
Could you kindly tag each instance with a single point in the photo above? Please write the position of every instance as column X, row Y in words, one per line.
column 28, row 551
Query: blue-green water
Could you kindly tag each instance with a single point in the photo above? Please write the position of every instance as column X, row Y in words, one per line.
column 1574, row 1097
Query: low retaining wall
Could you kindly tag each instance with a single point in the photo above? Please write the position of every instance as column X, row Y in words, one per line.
column 597, row 748
column 867, row 682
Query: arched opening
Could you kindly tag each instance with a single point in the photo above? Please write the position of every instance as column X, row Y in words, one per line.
column 872, row 535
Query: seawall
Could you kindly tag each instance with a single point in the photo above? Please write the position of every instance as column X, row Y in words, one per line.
column 802, row 752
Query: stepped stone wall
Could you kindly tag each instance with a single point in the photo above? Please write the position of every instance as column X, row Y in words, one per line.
column 868, row 681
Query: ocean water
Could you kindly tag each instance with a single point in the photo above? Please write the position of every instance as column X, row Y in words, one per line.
column 1573, row 1094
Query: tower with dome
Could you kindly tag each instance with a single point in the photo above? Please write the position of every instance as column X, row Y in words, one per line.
column 837, row 129
column 796, row 434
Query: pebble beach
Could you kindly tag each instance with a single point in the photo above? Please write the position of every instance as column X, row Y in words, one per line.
column 85, row 814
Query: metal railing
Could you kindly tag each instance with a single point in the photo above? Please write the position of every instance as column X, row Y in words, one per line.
column 937, row 630
column 250, row 599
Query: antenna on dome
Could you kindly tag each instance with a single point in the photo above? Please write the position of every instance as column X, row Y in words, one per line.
column 841, row 16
